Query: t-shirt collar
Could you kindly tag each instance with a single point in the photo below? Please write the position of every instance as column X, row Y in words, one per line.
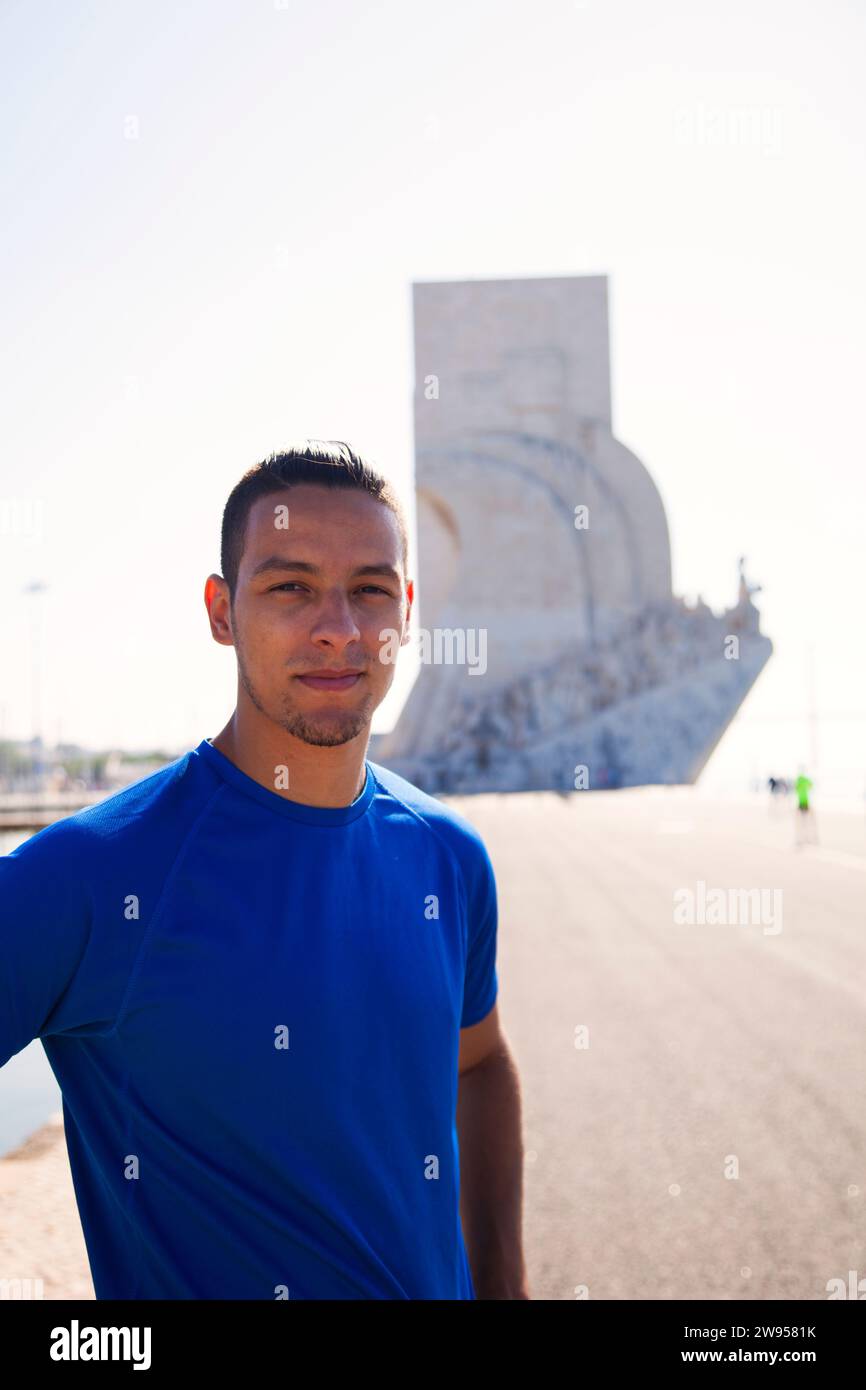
column 281, row 805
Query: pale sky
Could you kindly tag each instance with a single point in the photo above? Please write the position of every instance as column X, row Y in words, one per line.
column 212, row 217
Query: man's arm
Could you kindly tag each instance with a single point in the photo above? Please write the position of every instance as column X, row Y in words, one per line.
column 45, row 924
column 491, row 1161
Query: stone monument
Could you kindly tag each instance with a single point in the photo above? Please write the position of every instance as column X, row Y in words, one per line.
column 554, row 653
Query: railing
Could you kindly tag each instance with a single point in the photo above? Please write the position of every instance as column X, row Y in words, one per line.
column 35, row 810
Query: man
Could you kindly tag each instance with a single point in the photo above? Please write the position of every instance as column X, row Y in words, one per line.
column 264, row 976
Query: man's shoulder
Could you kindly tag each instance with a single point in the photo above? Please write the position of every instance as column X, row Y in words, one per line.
column 159, row 802
column 443, row 819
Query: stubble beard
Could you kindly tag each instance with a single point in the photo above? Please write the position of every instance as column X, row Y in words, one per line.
column 324, row 734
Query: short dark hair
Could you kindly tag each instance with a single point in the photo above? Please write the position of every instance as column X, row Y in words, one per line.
column 326, row 462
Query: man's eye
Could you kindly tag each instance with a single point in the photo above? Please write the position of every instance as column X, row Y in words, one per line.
column 292, row 584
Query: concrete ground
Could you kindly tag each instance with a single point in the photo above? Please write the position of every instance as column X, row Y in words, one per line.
column 713, row 1050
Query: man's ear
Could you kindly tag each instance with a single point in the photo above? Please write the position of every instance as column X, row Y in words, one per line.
column 218, row 604
column 410, row 595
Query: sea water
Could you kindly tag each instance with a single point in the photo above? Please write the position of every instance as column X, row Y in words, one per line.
column 28, row 1090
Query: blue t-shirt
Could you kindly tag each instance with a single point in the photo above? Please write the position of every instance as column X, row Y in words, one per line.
column 252, row 1008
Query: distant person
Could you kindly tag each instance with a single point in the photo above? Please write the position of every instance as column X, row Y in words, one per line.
column 778, row 792
column 805, row 822
column 772, row 785
column 265, row 975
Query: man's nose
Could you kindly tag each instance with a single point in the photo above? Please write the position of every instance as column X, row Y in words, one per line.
column 334, row 618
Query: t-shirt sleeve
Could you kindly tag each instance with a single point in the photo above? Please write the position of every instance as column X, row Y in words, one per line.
column 44, row 931
column 480, row 982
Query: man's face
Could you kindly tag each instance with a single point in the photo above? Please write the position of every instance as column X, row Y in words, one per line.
column 304, row 606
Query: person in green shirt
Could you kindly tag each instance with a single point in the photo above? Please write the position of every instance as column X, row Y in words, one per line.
column 805, row 814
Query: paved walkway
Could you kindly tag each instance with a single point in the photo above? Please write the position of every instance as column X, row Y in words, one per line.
column 709, row 1045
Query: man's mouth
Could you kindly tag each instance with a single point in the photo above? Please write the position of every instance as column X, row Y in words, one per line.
column 335, row 680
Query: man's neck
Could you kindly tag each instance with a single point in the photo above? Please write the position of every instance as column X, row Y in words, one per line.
column 298, row 771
